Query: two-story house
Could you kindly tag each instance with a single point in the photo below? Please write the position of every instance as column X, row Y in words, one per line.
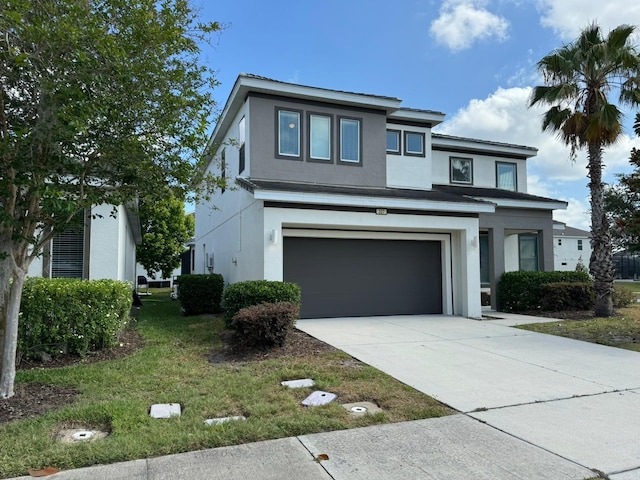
column 353, row 197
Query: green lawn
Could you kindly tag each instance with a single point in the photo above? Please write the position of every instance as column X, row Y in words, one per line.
column 633, row 286
column 622, row 330
column 173, row 368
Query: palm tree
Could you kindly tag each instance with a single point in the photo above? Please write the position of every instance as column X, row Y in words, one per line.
column 579, row 78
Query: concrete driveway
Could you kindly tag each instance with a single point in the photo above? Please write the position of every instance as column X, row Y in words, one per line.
column 578, row 400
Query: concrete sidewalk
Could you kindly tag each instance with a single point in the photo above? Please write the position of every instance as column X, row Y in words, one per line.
column 455, row 447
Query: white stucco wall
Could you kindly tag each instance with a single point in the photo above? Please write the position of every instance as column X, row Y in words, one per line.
column 409, row 171
column 566, row 253
column 511, row 253
column 484, row 169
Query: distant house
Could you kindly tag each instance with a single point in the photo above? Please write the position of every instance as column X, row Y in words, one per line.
column 570, row 246
column 103, row 247
column 354, row 198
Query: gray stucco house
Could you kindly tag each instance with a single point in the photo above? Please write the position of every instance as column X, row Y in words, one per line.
column 356, row 199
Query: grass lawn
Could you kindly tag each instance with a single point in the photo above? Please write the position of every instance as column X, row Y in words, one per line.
column 622, row 331
column 633, row 286
column 173, row 367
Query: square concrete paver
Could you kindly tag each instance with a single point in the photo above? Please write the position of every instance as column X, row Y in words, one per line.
column 448, row 448
column 600, row 431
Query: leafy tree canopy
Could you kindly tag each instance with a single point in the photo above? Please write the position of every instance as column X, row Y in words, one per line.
column 165, row 230
column 101, row 101
column 623, row 204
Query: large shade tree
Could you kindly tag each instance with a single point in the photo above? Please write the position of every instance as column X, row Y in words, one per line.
column 101, row 101
column 579, row 79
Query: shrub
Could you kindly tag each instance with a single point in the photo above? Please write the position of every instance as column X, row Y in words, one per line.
column 567, row 296
column 622, row 296
column 75, row 316
column 254, row 292
column 200, row 293
column 264, row 325
column 520, row 291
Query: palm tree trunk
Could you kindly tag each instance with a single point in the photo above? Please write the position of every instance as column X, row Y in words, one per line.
column 601, row 263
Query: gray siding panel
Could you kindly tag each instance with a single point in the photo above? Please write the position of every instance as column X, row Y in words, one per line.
column 349, row 277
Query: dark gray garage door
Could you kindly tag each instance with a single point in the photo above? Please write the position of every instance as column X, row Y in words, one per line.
column 349, row 277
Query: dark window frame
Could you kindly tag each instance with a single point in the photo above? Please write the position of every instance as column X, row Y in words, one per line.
column 398, row 134
column 515, row 176
column 329, row 160
column 537, row 250
column 339, row 159
column 421, row 135
column 301, row 142
column 223, row 168
column 462, row 182
column 580, row 244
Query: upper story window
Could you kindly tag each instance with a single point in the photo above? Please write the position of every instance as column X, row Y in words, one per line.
column 579, row 244
column 319, row 137
column 288, row 142
column 241, row 139
column 350, row 140
column 393, row 142
column 414, row 144
column 506, row 176
column 461, row 170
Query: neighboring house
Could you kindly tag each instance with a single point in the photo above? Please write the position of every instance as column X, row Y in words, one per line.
column 355, row 199
column 570, row 246
column 104, row 247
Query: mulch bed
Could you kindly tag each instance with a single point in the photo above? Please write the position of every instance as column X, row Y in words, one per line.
column 298, row 344
column 563, row 315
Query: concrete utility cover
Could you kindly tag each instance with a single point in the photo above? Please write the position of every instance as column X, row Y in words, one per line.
column 318, row 398
column 302, row 383
column 221, row 420
column 360, row 409
column 165, row 410
column 77, row 435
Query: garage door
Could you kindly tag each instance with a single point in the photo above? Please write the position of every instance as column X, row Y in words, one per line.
column 354, row 277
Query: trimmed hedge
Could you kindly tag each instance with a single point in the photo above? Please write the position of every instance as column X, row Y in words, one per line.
column 264, row 325
column 561, row 296
column 200, row 293
column 520, row 291
column 73, row 316
column 254, row 292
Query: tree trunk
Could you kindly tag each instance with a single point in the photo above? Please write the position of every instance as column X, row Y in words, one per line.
column 12, row 278
column 601, row 263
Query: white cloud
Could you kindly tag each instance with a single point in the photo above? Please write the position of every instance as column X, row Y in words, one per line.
column 462, row 22
column 568, row 17
column 576, row 215
column 505, row 117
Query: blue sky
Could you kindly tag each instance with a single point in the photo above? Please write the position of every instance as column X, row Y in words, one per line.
column 471, row 59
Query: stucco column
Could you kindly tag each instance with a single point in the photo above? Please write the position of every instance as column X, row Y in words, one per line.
column 496, row 265
column 545, row 246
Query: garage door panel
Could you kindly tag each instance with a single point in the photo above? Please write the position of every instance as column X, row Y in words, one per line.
column 356, row 277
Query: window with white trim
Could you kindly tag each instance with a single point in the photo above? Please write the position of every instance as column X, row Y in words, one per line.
column 350, row 140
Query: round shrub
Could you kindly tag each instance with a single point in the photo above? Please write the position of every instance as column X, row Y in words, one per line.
column 254, row 292
column 264, row 325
